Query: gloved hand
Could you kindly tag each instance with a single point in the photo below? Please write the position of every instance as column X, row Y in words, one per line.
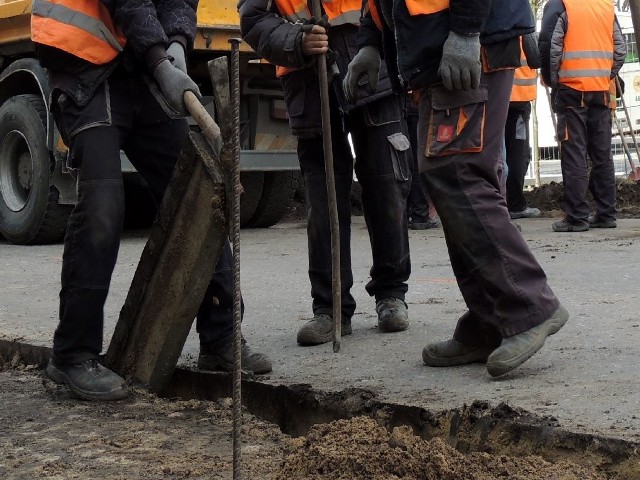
column 530, row 49
column 176, row 50
column 460, row 66
column 173, row 83
column 366, row 62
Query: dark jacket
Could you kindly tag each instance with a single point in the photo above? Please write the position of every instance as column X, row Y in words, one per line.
column 551, row 42
column 279, row 41
column 413, row 48
column 148, row 26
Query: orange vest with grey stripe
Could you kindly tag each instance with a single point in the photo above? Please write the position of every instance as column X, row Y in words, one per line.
column 339, row 12
column 415, row 7
column 525, row 81
column 82, row 28
column 587, row 56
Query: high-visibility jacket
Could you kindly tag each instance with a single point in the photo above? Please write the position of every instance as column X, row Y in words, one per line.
column 525, row 81
column 587, row 57
column 82, row 28
column 339, row 12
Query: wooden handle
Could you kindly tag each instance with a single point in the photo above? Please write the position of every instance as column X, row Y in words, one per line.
column 209, row 127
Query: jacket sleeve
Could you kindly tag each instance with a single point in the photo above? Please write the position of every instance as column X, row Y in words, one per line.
column 550, row 16
column 468, row 16
column 270, row 35
column 619, row 49
column 178, row 18
column 369, row 33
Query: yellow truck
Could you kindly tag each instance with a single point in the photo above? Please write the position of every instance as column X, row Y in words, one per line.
column 37, row 191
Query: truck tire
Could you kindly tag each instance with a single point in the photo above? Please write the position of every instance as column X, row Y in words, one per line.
column 29, row 210
column 278, row 189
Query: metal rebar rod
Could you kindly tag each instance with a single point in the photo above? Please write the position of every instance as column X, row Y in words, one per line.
column 628, row 117
column 331, row 191
column 235, row 236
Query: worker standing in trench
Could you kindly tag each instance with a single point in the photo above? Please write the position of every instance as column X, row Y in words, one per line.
column 117, row 71
column 458, row 57
column 283, row 32
column 579, row 69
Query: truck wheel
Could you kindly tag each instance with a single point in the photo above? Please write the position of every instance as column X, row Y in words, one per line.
column 278, row 189
column 252, row 183
column 29, row 212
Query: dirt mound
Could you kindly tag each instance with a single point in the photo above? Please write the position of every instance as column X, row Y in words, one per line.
column 361, row 449
column 548, row 198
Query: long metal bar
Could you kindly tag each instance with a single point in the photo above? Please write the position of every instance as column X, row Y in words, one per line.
column 331, row 191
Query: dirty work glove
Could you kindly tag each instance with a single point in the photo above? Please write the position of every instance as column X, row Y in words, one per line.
column 176, row 51
column 460, row 66
column 366, row 62
column 173, row 83
column 530, row 49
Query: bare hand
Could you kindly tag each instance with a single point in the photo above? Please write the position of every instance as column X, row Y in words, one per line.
column 315, row 42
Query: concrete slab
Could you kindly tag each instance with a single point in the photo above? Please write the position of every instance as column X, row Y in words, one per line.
column 585, row 376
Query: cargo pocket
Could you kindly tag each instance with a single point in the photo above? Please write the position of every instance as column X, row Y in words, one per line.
column 383, row 111
column 400, row 151
column 456, row 121
column 75, row 119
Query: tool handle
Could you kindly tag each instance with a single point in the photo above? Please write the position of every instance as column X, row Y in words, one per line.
column 209, row 127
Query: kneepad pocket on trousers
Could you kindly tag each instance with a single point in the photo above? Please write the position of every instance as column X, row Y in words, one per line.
column 456, row 121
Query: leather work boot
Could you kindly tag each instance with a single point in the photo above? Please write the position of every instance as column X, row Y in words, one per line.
column 529, row 212
column 89, row 380
column 221, row 359
column 450, row 353
column 393, row 315
column 514, row 351
column 319, row 330
column 596, row 222
column 564, row 226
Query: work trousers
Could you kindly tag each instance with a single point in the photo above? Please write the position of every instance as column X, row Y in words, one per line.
column 584, row 130
column 382, row 168
column 417, row 206
column 122, row 115
column 503, row 285
column 518, row 154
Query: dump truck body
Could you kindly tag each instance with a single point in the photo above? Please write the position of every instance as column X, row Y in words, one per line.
column 37, row 191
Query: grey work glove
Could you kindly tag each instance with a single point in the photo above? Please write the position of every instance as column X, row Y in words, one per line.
column 460, row 67
column 176, row 51
column 366, row 62
column 173, row 84
column 530, row 49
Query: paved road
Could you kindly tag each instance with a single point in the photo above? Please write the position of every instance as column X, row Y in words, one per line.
column 586, row 376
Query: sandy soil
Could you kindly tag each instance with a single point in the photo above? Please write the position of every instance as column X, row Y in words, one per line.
column 46, row 433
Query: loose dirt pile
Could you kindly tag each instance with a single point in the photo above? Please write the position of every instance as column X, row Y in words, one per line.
column 45, row 433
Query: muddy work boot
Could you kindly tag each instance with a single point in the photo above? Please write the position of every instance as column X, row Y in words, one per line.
column 564, row 226
column 393, row 315
column 529, row 212
column 450, row 353
column 595, row 221
column 220, row 359
column 514, row 351
column 319, row 330
column 89, row 380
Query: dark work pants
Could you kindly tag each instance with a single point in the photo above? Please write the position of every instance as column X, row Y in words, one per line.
column 384, row 174
column 516, row 137
column 417, row 206
column 121, row 115
column 503, row 285
column 584, row 129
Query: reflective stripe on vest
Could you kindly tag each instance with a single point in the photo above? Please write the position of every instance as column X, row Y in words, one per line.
column 525, row 81
column 426, row 7
column 339, row 12
column 587, row 59
column 84, row 29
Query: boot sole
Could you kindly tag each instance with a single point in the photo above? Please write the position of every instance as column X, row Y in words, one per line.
column 393, row 326
column 501, row 367
column 61, row 378
column 603, row 225
column 217, row 364
column 477, row 356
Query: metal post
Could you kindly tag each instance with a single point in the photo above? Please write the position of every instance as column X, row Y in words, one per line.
column 634, row 6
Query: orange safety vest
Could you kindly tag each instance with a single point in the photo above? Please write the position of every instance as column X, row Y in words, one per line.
column 415, row 7
column 339, row 12
column 525, row 81
column 587, row 57
column 84, row 29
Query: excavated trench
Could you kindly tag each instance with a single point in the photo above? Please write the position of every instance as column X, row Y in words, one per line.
column 479, row 427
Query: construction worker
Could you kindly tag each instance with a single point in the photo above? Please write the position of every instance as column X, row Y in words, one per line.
column 117, row 72
column 579, row 69
column 283, row 32
column 458, row 56
column 516, row 129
